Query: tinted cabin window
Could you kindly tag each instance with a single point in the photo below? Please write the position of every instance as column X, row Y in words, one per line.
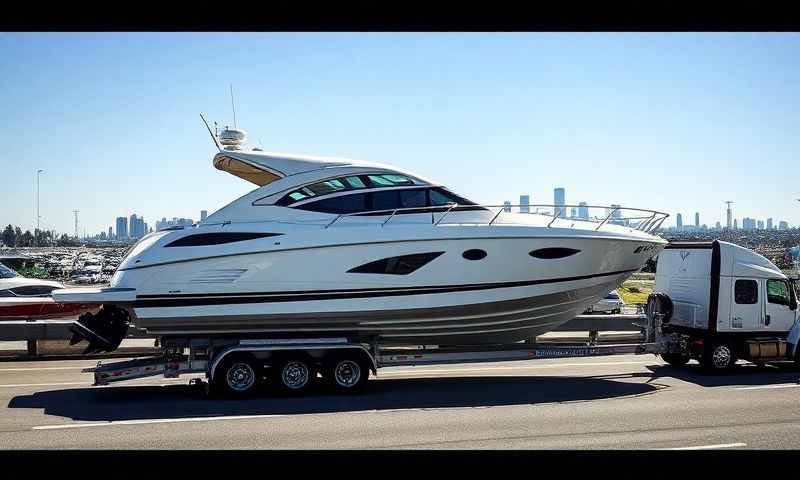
column 778, row 292
column 441, row 196
column 342, row 204
column 402, row 265
column 745, row 292
column 413, row 198
column 385, row 200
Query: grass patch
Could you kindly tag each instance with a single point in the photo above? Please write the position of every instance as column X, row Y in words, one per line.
column 636, row 291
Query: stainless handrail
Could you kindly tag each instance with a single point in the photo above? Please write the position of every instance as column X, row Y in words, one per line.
column 452, row 206
column 652, row 222
column 604, row 221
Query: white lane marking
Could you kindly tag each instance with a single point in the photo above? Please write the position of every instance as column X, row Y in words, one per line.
column 152, row 420
column 768, row 387
column 421, row 369
column 708, row 447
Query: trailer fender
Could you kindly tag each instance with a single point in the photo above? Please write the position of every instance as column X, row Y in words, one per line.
column 273, row 348
column 659, row 302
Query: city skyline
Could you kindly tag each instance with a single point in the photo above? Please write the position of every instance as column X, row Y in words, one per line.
column 593, row 113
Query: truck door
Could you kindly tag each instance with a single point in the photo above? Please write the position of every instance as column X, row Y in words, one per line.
column 746, row 311
column 779, row 314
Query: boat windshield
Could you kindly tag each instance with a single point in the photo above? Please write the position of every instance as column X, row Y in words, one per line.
column 6, row 272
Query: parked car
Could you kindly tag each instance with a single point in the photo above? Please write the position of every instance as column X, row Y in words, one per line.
column 612, row 303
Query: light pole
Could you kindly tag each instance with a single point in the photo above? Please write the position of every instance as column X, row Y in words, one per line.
column 36, row 233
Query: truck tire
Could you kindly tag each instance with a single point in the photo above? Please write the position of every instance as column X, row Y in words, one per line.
column 675, row 359
column 718, row 356
column 346, row 373
column 294, row 374
column 237, row 376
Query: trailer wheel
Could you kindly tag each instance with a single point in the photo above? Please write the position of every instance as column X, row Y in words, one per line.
column 236, row 376
column 346, row 374
column 718, row 356
column 675, row 359
column 294, row 374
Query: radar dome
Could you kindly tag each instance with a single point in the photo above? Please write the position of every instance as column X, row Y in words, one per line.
column 232, row 138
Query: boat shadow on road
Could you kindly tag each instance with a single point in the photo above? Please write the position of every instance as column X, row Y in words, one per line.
column 184, row 401
column 742, row 374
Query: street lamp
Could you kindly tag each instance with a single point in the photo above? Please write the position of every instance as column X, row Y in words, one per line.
column 36, row 234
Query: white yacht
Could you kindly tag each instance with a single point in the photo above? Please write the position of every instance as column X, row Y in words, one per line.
column 338, row 247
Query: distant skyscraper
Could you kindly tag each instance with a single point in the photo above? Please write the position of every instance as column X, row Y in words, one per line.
column 730, row 215
column 735, row 224
column 110, row 233
column 573, row 212
column 203, row 215
column 558, row 201
column 761, row 224
column 679, row 222
column 696, row 219
column 132, row 226
column 583, row 211
column 524, row 202
column 506, row 207
column 616, row 214
column 782, row 225
column 718, row 226
column 769, row 224
column 122, row 227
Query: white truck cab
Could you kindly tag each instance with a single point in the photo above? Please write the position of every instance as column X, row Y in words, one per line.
column 727, row 301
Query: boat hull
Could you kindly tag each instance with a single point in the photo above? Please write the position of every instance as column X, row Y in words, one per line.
column 276, row 288
column 486, row 322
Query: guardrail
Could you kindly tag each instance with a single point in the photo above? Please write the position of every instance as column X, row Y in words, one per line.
column 648, row 223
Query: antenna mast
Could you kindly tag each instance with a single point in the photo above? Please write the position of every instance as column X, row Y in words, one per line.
column 233, row 107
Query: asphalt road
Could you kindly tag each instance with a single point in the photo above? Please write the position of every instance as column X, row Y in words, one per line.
column 620, row 402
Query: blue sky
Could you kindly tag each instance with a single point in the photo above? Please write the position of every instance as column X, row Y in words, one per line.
column 675, row 122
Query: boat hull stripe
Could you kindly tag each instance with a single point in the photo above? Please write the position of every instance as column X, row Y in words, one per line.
column 183, row 300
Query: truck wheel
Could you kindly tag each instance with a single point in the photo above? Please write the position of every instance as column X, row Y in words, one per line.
column 718, row 356
column 236, row 376
column 675, row 359
column 346, row 374
column 294, row 375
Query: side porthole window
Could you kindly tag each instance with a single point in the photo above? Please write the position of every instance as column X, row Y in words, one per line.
column 553, row 252
column 474, row 254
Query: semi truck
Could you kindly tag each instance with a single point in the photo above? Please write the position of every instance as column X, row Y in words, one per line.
column 721, row 303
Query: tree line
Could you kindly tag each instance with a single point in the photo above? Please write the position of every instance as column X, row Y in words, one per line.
column 13, row 236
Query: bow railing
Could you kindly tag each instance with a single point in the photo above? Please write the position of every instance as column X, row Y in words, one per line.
column 640, row 219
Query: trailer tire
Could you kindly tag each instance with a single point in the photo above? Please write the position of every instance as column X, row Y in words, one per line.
column 718, row 356
column 346, row 373
column 237, row 376
column 675, row 359
column 294, row 374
